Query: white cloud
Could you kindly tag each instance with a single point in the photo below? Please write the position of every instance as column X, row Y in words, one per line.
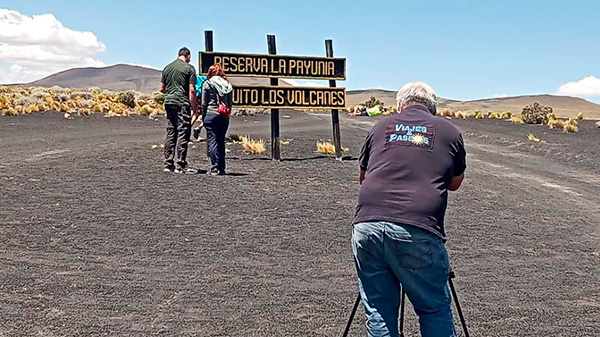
column 32, row 47
column 143, row 66
column 500, row 95
column 588, row 87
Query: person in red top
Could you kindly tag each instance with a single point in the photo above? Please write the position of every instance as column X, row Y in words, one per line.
column 408, row 164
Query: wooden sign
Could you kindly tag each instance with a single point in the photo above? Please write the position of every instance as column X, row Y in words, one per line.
column 250, row 96
column 275, row 66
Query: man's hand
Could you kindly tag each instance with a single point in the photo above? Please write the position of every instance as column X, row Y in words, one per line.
column 163, row 87
column 362, row 176
column 455, row 182
column 196, row 115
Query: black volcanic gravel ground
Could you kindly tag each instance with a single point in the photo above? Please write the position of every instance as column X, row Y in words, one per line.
column 95, row 240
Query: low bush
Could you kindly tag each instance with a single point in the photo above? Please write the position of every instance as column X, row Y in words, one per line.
column 372, row 102
column 517, row 119
column 570, row 128
column 325, row 148
column 252, row 146
column 127, row 98
column 533, row 138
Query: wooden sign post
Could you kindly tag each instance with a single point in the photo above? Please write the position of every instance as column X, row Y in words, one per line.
column 274, row 97
column 335, row 116
column 275, row 145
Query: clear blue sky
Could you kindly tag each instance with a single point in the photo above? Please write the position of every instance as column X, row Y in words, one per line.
column 465, row 49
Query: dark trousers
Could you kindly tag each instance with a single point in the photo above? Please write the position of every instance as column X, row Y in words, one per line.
column 178, row 134
column 216, row 129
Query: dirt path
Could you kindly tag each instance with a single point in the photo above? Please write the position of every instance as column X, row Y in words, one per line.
column 95, row 240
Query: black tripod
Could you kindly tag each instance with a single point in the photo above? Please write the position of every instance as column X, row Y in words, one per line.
column 401, row 326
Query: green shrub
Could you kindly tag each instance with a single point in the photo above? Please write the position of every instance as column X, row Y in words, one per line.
column 127, row 98
column 159, row 97
column 372, row 102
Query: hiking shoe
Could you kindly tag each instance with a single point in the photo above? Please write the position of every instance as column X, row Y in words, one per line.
column 186, row 170
column 197, row 133
column 168, row 169
column 213, row 172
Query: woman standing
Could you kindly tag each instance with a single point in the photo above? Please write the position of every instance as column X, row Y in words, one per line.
column 216, row 109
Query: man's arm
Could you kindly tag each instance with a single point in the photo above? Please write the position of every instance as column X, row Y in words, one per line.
column 193, row 101
column 163, row 82
column 363, row 158
column 460, row 164
column 204, row 103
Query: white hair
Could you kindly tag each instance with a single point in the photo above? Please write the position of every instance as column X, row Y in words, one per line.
column 416, row 93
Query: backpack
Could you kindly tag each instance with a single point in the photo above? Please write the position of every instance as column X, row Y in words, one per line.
column 199, row 82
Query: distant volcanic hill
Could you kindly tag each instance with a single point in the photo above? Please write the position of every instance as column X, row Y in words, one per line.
column 119, row 77
column 128, row 77
column 563, row 105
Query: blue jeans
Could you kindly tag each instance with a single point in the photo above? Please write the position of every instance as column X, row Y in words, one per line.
column 387, row 255
column 216, row 129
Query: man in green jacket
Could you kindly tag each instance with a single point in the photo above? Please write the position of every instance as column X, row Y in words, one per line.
column 178, row 82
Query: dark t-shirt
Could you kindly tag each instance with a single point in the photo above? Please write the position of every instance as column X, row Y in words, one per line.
column 409, row 159
column 177, row 76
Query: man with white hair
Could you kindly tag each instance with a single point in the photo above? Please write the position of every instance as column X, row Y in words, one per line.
column 408, row 164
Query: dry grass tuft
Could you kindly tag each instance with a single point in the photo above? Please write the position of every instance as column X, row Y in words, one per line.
column 506, row 115
column 145, row 110
column 447, row 113
column 580, row 115
column 493, row 115
column 253, row 146
column 29, row 100
column 463, row 115
column 517, row 119
column 84, row 112
column 572, row 121
column 533, row 138
column 479, row 115
column 556, row 124
column 11, row 112
column 325, row 148
column 570, row 128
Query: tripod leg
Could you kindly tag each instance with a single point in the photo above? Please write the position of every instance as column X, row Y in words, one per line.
column 460, row 314
column 403, row 297
column 351, row 318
